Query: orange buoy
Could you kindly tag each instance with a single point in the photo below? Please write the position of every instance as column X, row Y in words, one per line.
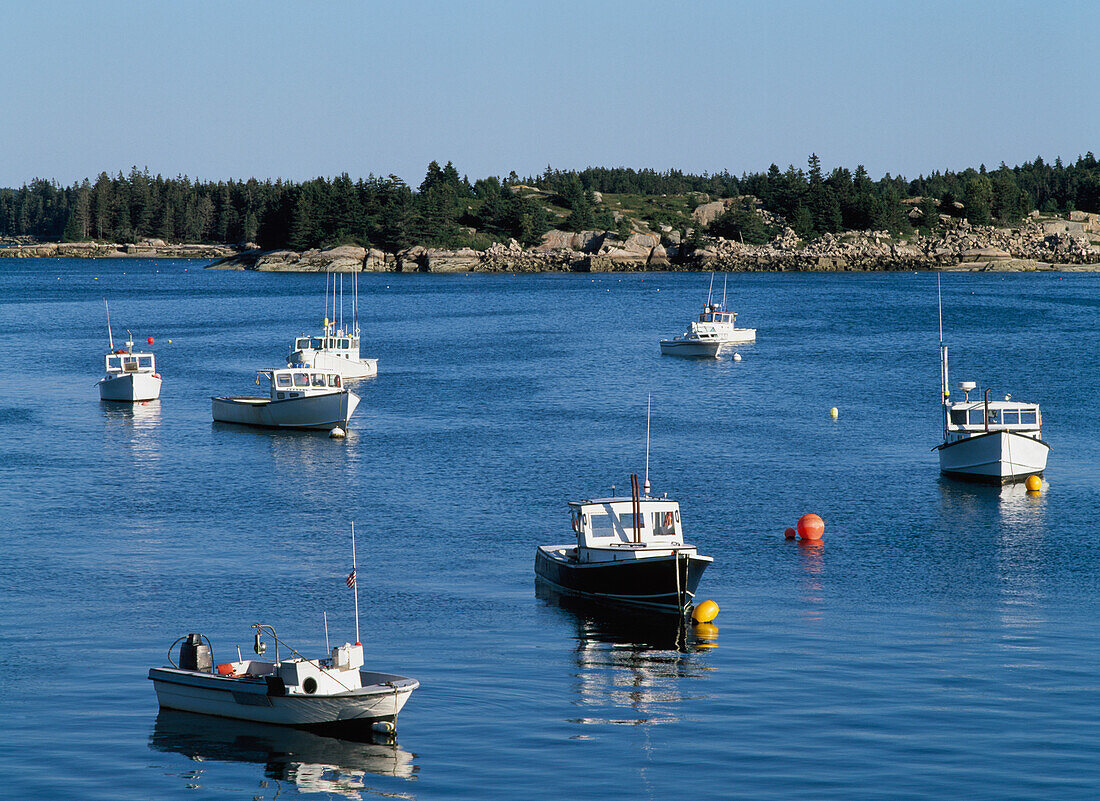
column 810, row 527
column 150, row 340
column 789, row 533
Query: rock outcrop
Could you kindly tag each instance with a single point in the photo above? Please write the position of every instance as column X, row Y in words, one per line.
column 146, row 248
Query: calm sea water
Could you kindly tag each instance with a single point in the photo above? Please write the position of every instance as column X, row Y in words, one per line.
column 942, row 644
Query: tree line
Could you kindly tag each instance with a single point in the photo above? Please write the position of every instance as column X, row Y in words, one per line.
column 446, row 210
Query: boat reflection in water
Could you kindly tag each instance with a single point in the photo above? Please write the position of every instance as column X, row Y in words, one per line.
column 312, row 763
column 631, row 665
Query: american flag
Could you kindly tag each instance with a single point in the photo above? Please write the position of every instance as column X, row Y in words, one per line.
column 351, row 578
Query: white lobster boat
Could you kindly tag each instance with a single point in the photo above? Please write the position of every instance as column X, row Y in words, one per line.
column 997, row 442
column 299, row 398
column 129, row 376
column 332, row 695
column 715, row 329
column 337, row 349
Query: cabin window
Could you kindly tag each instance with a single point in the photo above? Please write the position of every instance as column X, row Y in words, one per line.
column 994, row 417
column 315, row 343
column 337, row 380
column 129, row 364
column 332, row 380
column 113, row 362
column 319, row 380
column 301, row 379
column 627, row 522
column 958, row 417
column 602, row 526
column 282, row 379
column 977, row 417
column 1010, row 418
column 329, row 343
column 145, row 361
column 301, row 344
column 345, row 344
column 1027, row 417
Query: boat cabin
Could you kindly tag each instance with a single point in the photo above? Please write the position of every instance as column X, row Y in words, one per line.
column 613, row 523
column 715, row 313
column 123, row 362
column 966, row 418
column 299, row 382
column 344, row 346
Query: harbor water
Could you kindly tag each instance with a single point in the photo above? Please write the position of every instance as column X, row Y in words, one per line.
column 941, row 643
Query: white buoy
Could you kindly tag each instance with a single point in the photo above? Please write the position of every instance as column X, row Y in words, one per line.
column 383, row 727
column 337, row 433
column 737, row 357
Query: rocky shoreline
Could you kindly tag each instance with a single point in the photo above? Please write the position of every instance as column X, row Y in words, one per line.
column 1037, row 243
column 145, row 249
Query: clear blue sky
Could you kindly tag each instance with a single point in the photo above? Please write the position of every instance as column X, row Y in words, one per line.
column 299, row 89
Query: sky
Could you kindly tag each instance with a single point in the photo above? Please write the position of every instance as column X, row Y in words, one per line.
column 296, row 90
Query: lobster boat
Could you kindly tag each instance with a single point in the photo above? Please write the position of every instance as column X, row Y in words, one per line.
column 628, row 550
column 129, row 376
column 299, row 397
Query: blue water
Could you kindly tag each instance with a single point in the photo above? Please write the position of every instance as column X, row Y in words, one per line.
column 941, row 644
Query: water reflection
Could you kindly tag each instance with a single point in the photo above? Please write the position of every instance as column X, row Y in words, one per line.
column 135, row 424
column 1019, row 547
column 811, row 558
column 312, row 763
column 631, row 665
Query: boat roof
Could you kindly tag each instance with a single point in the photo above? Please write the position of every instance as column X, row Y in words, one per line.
column 621, row 499
column 993, row 404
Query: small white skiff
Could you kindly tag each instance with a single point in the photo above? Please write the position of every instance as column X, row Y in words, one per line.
column 299, row 398
column 331, row 694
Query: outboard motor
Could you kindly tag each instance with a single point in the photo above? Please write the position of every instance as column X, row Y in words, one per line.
column 195, row 654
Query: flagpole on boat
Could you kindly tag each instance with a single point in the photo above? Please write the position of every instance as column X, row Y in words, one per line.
column 355, row 586
column 648, row 408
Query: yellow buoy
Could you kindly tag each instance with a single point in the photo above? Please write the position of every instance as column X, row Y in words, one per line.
column 1034, row 484
column 834, row 413
column 705, row 612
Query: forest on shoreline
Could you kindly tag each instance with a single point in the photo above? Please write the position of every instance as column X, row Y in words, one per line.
column 446, row 210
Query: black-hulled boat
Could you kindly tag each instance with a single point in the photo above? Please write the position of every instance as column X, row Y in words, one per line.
column 629, row 550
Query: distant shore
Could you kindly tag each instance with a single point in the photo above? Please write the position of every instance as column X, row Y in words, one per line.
column 1036, row 244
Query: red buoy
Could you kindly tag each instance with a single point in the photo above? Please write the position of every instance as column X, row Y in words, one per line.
column 810, row 527
column 789, row 534
column 150, row 340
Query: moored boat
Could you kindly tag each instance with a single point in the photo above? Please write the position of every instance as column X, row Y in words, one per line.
column 299, row 397
column 331, row 694
column 628, row 550
column 715, row 328
column 129, row 376
column 337, row 349
column 997, row 442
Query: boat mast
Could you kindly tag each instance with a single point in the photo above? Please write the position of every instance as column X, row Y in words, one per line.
column 110, row 336
column 709, row 291
column 648, row 409
column 355, row 585
column 725, row 280
column 944, row 391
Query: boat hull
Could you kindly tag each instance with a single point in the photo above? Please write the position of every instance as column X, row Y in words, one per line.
column 690, row 349
column 347, row 368
column 999, row 457
column 649, row 582
column 319, row 412
column 130, row 387
column 257, row 699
